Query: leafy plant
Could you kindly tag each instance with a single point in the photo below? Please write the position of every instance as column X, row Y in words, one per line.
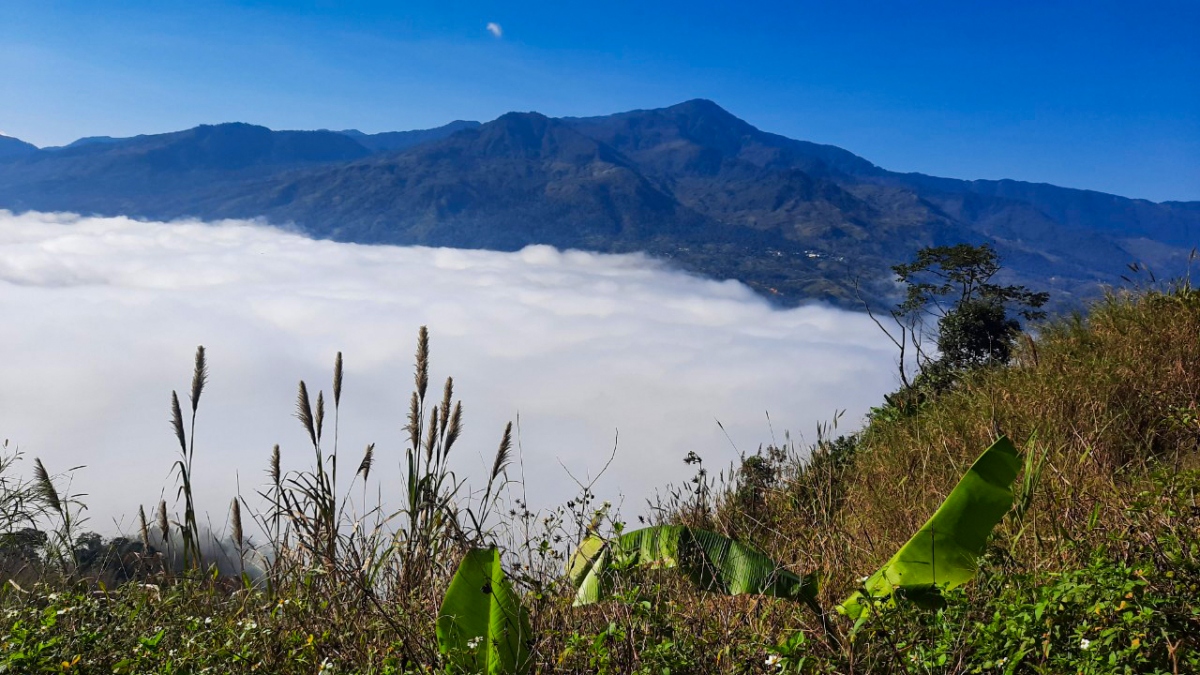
column 482, row 626
column 711, row 561
column 943, row 553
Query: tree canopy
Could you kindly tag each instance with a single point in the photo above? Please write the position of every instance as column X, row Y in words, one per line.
column 952, row 301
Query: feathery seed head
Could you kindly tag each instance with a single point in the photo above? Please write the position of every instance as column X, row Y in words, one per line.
column 414, row 421
column 177, row 422
column 45, row 486
column 235, row 518
column 431, row 434
column 274, row 470
column 304, row 413
column 502, row 453
column 320, row 416
column 164, row 525
column 199, row 377
column 453, row 426
column 422, row 377
column 145, row 528
column 368, row 459
column 337, row 380
column 447, row 394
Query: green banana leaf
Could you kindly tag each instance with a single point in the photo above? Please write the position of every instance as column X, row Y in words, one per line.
column 713, row 562
column 482, row 626
column 944, row 553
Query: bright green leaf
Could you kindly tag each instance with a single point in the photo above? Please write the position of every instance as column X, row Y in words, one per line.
column 943, row 553
column 713, row 562
column 482, row 626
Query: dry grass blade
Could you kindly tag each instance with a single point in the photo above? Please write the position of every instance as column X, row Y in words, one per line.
column 177, row 422
column 305, row 414
column 199, row 377
column 45, row 486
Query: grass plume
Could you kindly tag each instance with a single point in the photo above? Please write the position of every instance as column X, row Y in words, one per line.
column 364, row 467
column 199, row 378
column 304, row 413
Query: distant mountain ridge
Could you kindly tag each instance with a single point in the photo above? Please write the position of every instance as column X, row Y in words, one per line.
column 390, row 141
column 692, row 182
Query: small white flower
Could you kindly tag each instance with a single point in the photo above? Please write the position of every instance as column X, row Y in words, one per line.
column 473, row 643
column 774, row 660
column 207, row 620
column 1085, row 643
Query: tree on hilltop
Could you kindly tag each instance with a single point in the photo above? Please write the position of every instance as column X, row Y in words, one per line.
column 951, row 303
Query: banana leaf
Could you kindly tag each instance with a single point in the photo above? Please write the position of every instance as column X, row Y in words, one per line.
column 482, row 626
column 943, row 554
column 711, row 561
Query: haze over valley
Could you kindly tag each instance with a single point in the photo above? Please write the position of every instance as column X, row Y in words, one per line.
column 580, row 345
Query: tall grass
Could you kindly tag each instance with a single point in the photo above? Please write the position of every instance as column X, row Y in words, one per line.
column 189, row 528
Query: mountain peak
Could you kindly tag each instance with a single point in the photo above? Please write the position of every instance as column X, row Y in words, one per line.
column 523, row 134
column 700, row 105
column 515, row 117
column 13, row 148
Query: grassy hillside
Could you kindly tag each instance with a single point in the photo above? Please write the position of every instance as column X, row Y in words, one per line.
column 1096, row 569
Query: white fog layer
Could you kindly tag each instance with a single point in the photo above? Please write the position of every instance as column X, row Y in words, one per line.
column 102, row 316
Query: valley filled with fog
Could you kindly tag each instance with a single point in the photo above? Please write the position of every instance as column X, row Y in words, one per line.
column 103, row 315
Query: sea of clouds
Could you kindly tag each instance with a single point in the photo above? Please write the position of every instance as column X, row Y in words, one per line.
column 101, row 318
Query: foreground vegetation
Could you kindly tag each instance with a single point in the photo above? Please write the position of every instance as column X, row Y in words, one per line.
column 1095, row 569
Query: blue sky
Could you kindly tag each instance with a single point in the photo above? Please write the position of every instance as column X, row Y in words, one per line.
column 1098, row 95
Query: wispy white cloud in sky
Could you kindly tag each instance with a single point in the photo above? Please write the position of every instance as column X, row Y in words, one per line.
column 102, row 317
column 495, row 29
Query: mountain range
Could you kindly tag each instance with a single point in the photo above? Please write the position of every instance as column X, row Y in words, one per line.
column 691, row 183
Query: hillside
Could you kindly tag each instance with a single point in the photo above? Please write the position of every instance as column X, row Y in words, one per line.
column 693, row 183
column 1093, row 567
